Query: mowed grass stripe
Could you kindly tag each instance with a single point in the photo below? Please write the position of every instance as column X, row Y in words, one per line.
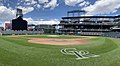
column 28, row 55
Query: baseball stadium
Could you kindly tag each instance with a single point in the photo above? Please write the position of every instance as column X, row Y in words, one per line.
column 82, row 41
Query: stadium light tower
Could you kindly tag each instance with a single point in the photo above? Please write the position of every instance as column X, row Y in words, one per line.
column 19, row 13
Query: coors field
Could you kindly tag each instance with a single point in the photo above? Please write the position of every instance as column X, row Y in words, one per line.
column 59, row 33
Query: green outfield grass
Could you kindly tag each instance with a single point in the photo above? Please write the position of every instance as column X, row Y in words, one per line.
column 18, row 52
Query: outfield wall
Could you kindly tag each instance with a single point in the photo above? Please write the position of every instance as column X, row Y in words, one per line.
column 108, row 34
column 20, row 32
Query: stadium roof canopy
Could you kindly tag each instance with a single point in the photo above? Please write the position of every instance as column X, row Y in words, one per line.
column 76, row 11
column 90, row 17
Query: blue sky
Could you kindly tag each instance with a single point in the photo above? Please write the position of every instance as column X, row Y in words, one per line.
column 55, row 9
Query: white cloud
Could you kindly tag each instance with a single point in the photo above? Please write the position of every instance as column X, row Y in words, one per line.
column 38, row 5
column 84, row 3
column 103, row 7
column 42, row 21
column 43, row 1
column 27, row 0
column 26, row 9
column 73, row 2
column 6, row 14
column 33, row 2
column 28, row 19
column 18, row 3
column 52, row 4
column 30, row 2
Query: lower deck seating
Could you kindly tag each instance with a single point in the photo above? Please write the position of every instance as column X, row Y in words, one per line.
column 112, row 34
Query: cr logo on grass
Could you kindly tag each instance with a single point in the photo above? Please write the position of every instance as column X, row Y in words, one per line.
column 82, row 54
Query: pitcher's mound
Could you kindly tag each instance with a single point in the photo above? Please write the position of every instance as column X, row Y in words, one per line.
column 53, row 41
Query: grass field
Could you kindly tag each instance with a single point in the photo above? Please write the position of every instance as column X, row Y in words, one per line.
column 16, row 51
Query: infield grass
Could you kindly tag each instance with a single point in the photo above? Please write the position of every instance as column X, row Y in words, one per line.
column 18, row 52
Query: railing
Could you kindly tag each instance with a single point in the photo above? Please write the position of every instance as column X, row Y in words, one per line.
column 91, row 33
column 86, row 29
column 88, row 23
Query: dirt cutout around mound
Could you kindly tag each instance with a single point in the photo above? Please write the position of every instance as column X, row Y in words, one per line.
column 53, row 41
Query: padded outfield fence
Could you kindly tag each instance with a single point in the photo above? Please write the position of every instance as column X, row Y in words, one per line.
column 20, row 32
column 108, row 34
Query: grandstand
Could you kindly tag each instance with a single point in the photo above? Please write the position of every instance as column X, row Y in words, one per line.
column 87, row 25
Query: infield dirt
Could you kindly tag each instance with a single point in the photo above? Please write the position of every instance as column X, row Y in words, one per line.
column 55, row 41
